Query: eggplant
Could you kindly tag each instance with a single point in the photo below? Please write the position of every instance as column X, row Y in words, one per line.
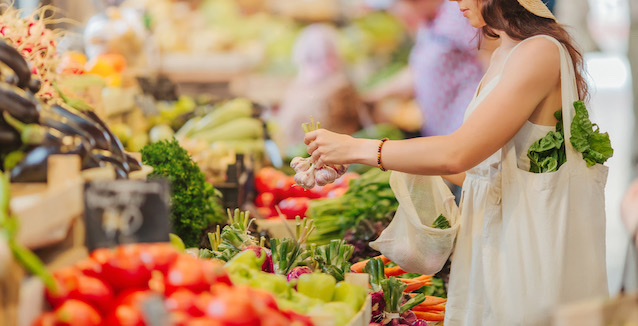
column 133, row 163
column 14, row 60
column 20, row 104
column 105, row 156
column 80, row 121
column 66, row 127
column 33, row 168
column 8, row 135
column 116, row 145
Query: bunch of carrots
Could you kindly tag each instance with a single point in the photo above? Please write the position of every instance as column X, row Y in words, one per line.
column 432, row 309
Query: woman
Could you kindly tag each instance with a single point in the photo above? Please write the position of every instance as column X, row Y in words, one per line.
column 515, row 259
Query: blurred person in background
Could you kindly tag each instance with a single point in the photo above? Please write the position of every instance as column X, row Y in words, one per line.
column 446, row 63
column 321, row 88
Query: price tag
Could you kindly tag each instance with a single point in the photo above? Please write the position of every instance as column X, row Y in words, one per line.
column 126, row 211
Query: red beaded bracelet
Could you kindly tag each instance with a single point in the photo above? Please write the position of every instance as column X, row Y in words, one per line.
column 379, row 154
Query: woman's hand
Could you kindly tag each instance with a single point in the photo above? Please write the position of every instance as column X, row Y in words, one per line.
column 326, row 147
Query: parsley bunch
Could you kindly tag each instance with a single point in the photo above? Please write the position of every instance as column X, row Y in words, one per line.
column 194, row 202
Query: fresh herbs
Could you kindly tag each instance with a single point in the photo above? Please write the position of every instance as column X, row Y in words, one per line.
column 548, row 153
column 194, row 201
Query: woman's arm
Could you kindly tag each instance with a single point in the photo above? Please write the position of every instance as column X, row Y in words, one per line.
column 456, row 179
column 528, row 77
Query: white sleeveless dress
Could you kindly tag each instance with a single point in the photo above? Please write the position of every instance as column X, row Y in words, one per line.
column 474, row 295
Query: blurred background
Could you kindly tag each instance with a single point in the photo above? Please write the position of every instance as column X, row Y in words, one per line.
column 296, row 57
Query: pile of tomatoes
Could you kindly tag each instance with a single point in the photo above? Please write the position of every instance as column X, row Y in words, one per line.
column 133, row 285
column 275, row 188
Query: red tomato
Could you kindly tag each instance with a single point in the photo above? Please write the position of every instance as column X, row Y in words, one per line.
column 75, row 312
column 293, row 206
column 230, row 305
column 90, row 267
column 183, row 300
column 265, row 199
column 214, row 272
column 94, row 292
column 126, row 270
column 266, row 179
column 205, row 321
column 158, row 256
column 263, row 300
column 284, row 188
column 132, row 297
column 46, row 319
column 273, row 317
column 186, row 272
column 179, row 318
column 66, row 281
column 125, row 315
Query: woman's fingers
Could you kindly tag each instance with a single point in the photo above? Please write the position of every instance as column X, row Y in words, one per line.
column 312, row 147
column 310, row 136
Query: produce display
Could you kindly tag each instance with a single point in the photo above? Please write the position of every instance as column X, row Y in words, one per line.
column 305, row 278
column 145, row 283
column 62, row 102
column 392, row 300
column 275, row 189
column 33, row 130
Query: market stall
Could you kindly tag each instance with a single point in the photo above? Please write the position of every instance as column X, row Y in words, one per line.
column 152, row 172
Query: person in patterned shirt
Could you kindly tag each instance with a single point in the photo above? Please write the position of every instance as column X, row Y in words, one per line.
column 446, row 63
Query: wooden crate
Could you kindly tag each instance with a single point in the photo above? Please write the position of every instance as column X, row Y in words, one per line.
column 46, row 211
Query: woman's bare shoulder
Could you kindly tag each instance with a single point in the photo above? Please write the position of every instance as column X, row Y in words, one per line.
column 536, row 58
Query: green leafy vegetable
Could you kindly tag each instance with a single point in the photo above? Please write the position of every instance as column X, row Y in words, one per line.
column 368, row 197
column 548, row 153
column 587, row 139
column 194, row 201
column 441, row 223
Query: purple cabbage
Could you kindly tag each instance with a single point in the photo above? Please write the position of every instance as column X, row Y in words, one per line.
column 420, row 322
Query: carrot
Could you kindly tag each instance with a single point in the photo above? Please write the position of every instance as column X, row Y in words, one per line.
column 429, row 316
column 430, row 300
column 436, row 307
column 393, row 271
column 358, row 266
column 423, row 278
column 414, row 286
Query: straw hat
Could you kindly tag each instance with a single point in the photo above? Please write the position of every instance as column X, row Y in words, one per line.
column 537, row 7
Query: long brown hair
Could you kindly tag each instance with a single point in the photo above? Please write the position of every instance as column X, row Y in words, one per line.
column 518, row 23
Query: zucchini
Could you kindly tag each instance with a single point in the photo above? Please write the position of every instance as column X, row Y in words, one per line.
column 242, row 128
column 231, row 110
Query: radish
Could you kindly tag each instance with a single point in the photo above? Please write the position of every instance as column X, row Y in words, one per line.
column 298, row 271
column 267, row 265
